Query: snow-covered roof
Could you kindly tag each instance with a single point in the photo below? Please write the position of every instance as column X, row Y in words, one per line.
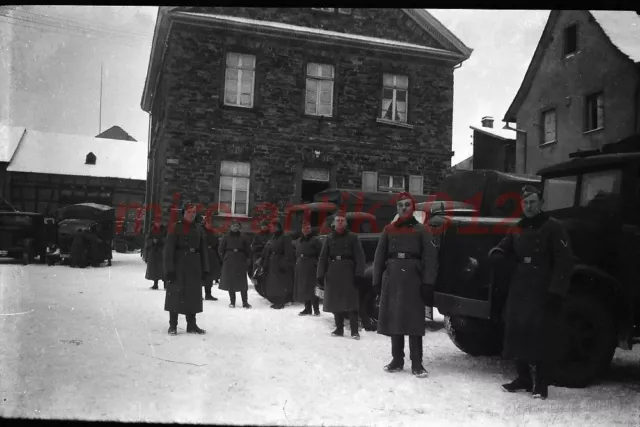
column 497, row 132
column 9, row 140
column 623, row 29
column 62, row 154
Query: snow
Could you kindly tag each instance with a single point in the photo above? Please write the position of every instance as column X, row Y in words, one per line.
column 497, row 132
column 312, row 31
column 622, row 28
column 93, row 344
column 62, row 154
column 9, row 139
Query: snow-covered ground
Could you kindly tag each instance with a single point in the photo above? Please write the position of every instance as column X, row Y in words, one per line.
column 92, row 344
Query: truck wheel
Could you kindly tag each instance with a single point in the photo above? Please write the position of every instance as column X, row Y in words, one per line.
column 29, row 254
column 588, row 336
column 121, row 247
column 476, row 337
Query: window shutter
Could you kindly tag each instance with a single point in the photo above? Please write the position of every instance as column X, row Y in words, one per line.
column 415, row 184
column 369, row 181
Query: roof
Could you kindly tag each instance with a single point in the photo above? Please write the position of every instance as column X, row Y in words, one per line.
column 116, row 132
column 61, row 154
column 466, row 164
column 9, row 139
column 621, row 27
column 503, row 134
column 459, row 52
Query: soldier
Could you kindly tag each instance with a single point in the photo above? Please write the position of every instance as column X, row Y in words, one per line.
column 308, row 249
column 340, row 267
column 185, row 265
column 257, row 245
column 79, row 250
column 405, row 270
column 153, row 246
column 540, row 246
column 234, row 251
column 279, row 261
column 215, row 263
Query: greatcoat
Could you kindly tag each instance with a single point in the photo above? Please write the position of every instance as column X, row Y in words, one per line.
column 406, row 259
column 341, row 261
column 153, row 247
column 79, row 250
column 215, row 262
column 234, row 250
column 540, row 246
column 307, row 250
column 185, row 254
column 280, row 259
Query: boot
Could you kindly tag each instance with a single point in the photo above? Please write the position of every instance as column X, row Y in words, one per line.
column 207, row 294
column 339, row 319
column 540, row 382
column 232, row 298
column 155, row 285
column 245, row 298
column 353, row 323
column 192, row 327
column 307, row 309
column 415, row 348
column 522, row 382
column 316, row 306
column 397, row 352
column 173, row 323
column 396, row 365
column 279, row 304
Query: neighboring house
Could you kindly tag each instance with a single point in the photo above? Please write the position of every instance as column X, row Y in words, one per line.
column 464, row 165
column 9, row 139
column 116, row 132
column 582, row 88
column 493, row 149
column 255, row 105
column 51, row 170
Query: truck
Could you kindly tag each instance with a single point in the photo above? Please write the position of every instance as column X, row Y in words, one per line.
column 596, row 196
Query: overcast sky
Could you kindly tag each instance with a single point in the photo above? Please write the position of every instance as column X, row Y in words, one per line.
column 57, row 51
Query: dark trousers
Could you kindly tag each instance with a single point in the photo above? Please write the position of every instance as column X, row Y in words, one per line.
column 173, row 319
column 366, row 302
column 243, row 294
column 207, row 289
column 536, row 373
column 353, row 321
column 415, row 348
column 315, row 302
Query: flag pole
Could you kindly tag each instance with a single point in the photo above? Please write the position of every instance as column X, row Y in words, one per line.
column 100, row 114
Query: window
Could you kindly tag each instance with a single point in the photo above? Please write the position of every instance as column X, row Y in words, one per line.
column 324, row 9
column 369, row 181
column 594, row 112
column 415, row 184
column 600, row 190
column 239, row 80
column 345, row 11
column 548, row 126
column 570, row 39
column 234, row 188
column 319, row 100
column 390, row 183
column 394, row 98
column 559, row 193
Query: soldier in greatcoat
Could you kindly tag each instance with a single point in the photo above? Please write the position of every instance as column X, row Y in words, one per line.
column 234, row 251
column 153, row 247
column 540, row 246
column 279, row 261
column 405, row 270
column 79, row 250
column 185, row 264
column 340, row 271
column 307, row 249
column 215, row 262
column 257, row 245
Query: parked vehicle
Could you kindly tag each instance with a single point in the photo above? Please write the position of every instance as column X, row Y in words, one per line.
column 25, row 235
column 92, row 218
column 596, row 196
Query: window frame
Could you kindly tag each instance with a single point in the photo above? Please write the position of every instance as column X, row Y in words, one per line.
column 234, row 181
column 616, row 172
column 572, row 26
column 588, row 105
column 394, row 90
column 543, row 137
column 317, row 80
column 390, row 188
column 240, row 70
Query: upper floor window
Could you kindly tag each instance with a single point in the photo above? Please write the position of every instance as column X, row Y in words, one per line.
column 239, row 80
column 548, row 126
column 319, row 98
column 394, row 97
column 234, row 188
column 570, row 41
column 594, row 112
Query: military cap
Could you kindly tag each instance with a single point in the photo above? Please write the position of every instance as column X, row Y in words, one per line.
column 528, row 190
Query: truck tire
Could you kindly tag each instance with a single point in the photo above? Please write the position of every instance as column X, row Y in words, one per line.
column 476, row 337
column 29, row 253
column 121, row 247
column 589, row 337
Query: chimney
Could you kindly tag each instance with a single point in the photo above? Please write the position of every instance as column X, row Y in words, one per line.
column 487, row 122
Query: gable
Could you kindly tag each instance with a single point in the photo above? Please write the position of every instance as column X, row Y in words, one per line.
column 391, row 24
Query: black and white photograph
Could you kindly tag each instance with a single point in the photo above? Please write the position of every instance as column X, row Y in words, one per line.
column 319, row 216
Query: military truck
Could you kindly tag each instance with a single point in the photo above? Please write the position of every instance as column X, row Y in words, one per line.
column 596, row 196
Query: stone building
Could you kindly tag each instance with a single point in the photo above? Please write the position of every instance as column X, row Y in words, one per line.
column 582, row 88
column 254, row 105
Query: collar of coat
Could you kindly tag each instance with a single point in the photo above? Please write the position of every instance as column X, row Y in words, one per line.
column 336, row 233
column 535, row 221
column 307, row 237
column 406, row 222
column 234, row 233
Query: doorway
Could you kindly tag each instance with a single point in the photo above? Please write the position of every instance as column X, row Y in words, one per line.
column 313, row 182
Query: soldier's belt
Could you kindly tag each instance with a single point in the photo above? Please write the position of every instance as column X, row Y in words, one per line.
column 210, row 246
column 341, row 258
column 307, row 256
column 403, row 255
column 192, row 250
column 235, row 250
column 528, row 261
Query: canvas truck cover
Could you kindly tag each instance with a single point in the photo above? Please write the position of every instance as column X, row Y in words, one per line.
column 88, row 211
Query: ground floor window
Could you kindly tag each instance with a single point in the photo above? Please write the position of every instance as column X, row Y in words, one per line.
column 234, row 188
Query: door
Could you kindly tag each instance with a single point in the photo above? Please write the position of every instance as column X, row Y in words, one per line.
column 314, row 180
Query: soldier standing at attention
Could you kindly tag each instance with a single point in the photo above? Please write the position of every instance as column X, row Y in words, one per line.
column 186, row 265
column 257, row 245
column 405, row 270
column 340, row 266
column 540, row 246
column 234, row 251
column 279, row 276
column 153, row 246
column 215, row 263
column 308, row 249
